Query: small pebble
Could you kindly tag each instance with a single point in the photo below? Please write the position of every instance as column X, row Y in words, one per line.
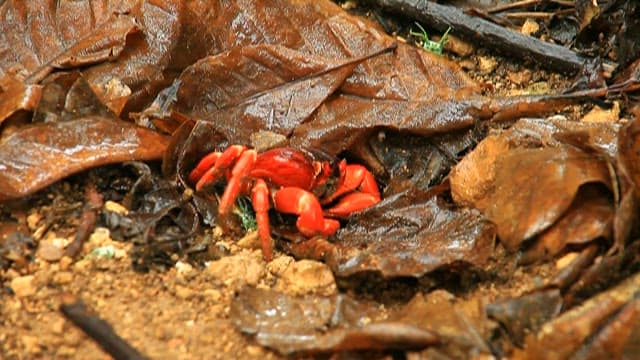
column 486, row 64
column 307, row 276
column 113, row 206
column 255, row 350
column 63, row 277
column 50, row 252
column 183, row 292
column 529, row 27
column 23, row 286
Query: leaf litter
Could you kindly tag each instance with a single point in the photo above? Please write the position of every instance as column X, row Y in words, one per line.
column 532, row 191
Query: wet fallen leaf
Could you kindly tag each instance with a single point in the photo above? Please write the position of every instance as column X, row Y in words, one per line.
column 39, row 44
column 589, row 217
column 311, row 325
column 38, row 155
column 411, row 234
column 263, row 87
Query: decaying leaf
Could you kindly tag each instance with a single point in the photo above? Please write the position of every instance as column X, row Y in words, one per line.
column 461, row 325
column 589, row 217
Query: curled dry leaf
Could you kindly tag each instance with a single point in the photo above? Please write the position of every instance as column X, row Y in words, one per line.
column 525, row 189
column 534, row 187
column 589, row 217
column 38, row 155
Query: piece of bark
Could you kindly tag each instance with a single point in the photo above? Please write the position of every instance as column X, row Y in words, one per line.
column 490, row 35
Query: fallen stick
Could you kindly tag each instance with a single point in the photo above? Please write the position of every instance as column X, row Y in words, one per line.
column 99, row 330
column 490, row 35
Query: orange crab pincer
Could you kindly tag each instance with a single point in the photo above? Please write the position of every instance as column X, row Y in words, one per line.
column 287, row 178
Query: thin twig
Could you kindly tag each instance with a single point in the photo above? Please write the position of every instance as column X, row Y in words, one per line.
column 538, row 15
column 526, row 3
column 100, row 331
column 513, row 5
column 87, row 221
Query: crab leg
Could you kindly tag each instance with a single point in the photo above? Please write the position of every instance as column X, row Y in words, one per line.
column 236, row 181
column 205, row 164
column 311, row 220
column 260, row 202
column 222, row 162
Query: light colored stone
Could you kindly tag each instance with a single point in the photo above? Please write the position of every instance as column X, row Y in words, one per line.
column 458, row 46
column 255, row 351
column 99, row 237
column 598, row 114
column 239, row 269
column 278, row 265
column 250, row 241
column 213, row 294
column 49, row 251
column 486, row 64
column 31, row 344
column 529, row 27
column 65, row 262
column 183, row 292
column 520, row 77
column 63, row 277
column 115, row 207
column 23, row 286
column 184, row 270
column 33, row 219
column 305, row 277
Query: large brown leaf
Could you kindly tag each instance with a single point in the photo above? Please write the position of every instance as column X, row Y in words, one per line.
column 263, row 87
column 411, row 234
column 525, row 180
column 38, row 155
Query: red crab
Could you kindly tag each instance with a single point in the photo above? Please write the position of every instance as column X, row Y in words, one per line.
column 289, row 176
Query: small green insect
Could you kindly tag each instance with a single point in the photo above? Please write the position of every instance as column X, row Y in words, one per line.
column 244, row 210
column 430, row 45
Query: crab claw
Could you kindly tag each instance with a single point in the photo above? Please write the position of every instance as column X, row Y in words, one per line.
column 311, row 220
column 360, row 187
